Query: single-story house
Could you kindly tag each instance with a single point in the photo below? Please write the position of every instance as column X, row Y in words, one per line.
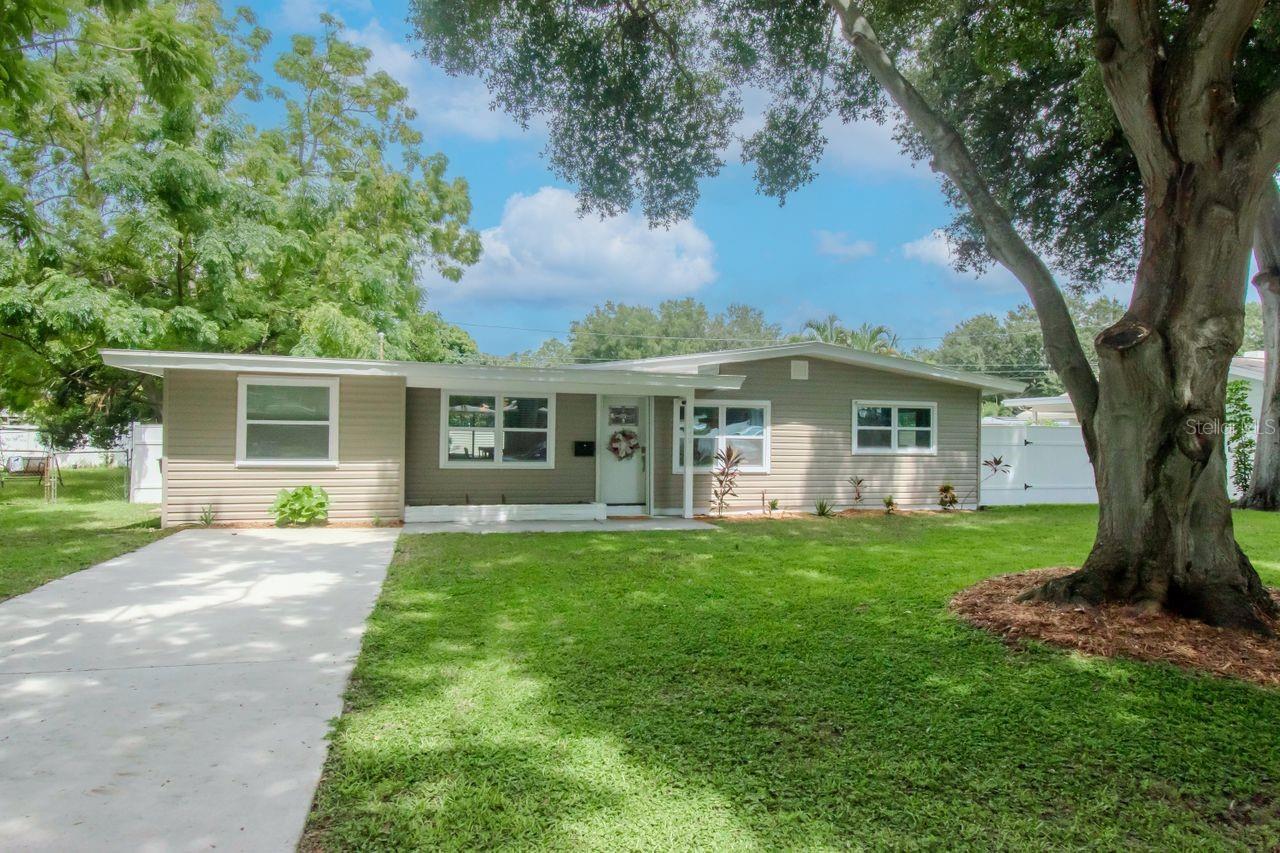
column 433, row 442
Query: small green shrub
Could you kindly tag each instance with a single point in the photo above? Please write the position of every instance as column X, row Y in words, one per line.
column 303, row 505
column 773, row 505
column 206, row 515
column 889, row 504
column 823, row 508
column 947, row 497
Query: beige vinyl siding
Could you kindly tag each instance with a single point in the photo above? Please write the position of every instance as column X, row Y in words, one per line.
column 812, row 435
column 200, row 451
column 572, row 480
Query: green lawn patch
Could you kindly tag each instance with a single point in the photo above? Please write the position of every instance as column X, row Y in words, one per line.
column 776, row 684
column 91, row 522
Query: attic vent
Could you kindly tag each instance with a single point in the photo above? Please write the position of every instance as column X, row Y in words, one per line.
column 799, row 369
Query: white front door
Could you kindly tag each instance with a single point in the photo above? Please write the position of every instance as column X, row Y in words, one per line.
column 622, row 448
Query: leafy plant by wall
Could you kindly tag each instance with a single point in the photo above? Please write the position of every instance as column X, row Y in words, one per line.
column 947, row 497
column 857, row 483
column 1240, row 435
column 303, row 505
column 823, row 508
column 724, row 478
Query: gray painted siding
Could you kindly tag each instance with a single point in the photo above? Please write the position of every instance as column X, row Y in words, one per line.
column 199, row 453
column 812, row 429
column 573, row 480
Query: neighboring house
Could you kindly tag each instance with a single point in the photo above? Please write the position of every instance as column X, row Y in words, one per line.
column 422, row 441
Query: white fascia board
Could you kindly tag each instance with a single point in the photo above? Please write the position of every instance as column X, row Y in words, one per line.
column 426, row 374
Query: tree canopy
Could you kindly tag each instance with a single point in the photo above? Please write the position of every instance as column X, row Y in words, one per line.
column 152, row 215
column 615, row 331
column 1012, row 346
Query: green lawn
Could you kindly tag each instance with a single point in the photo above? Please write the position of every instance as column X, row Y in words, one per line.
column 775, row 684
column 91, row 522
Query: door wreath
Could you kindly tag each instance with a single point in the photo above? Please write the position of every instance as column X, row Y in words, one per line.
column 624, row 444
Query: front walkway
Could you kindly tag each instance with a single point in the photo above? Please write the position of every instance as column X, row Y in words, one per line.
column 178, row 697
column 612, row 525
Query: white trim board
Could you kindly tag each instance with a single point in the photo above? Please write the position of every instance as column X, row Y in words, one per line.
column 480, row 513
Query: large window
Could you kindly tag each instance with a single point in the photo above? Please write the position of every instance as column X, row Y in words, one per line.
column 718, row 424
column 495, row 430
column 287, row 421
column 886, row 427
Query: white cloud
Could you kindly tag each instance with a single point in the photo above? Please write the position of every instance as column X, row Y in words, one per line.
column 543, row 252
column 839, row 245
column 445, row 104
column 934, row 249
column 860, row 149
column 304, row 15
column 864, row 148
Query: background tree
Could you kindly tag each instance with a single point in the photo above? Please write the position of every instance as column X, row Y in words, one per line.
column 642, row 101
column 150, row 215
column 614, row 331
column 1013, row 346
column 867, row 337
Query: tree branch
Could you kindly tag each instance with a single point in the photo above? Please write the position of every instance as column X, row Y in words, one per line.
column 1259, row 137
column 952, row 158
column 1127, row 45
column 1199, row 103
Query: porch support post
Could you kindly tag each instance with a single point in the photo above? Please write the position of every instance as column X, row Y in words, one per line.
column 688, row 455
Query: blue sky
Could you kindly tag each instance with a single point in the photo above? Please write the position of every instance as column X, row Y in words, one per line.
column 859, row 242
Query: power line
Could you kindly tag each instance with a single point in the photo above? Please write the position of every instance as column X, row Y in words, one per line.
column 739, row 339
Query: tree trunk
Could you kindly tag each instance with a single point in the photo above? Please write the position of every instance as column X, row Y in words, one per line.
column 1264, row 491
column 1153, row 420
column 1165, row 537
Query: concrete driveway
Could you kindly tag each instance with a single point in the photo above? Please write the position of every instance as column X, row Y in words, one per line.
column 177, row 698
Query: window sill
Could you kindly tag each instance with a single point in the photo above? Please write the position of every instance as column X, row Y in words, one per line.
column 499, row 466
column 857, row 452
column 286, row 463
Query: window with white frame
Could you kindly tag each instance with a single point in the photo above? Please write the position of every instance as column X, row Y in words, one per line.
column 287, row 420
column 889, row 427
column 717, row 424
column 496, row 430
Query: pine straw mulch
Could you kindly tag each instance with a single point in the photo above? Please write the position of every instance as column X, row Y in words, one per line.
column 1117, row 631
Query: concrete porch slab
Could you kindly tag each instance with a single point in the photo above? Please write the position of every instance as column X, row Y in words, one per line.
column 611, row 525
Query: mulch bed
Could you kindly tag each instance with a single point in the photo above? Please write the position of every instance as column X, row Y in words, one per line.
column 1117, row 631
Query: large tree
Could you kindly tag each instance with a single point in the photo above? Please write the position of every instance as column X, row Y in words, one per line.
column 142, row 211
column 1264, row 487
column 642, row 98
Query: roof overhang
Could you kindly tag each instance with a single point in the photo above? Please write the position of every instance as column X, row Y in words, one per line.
column 418, row 374
column 1058, row 403
column 818, row 349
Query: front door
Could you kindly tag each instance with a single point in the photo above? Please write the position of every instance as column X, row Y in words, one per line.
column 623, row 453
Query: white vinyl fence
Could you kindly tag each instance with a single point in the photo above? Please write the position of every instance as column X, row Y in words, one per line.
column 145, row 477
column 1047, row 465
